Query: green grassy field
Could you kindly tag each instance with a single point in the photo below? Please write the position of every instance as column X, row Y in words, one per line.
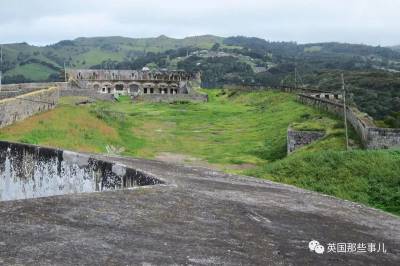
column 230, row 130
column 236, row 132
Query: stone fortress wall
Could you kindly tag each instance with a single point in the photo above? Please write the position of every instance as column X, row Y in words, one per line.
column 14, row 90
column 297, row 139
column 23, row 106
column 372, row 137
column 86, row 93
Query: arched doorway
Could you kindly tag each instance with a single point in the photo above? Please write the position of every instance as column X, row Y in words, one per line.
column 134, row 88
column 119, row 87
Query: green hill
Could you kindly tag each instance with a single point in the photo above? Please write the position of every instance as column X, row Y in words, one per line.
column 23, row 60
column 26, row 60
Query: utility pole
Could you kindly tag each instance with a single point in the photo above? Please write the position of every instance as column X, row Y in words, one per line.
column 295, row 78
column 65, row 72
column 345, row 112
column 1, row 64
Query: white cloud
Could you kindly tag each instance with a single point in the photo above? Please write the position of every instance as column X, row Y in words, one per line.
column 48, row 21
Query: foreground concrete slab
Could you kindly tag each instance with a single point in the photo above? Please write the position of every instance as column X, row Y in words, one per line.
column 199, row 217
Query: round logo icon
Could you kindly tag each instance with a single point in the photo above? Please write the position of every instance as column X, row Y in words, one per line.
column 315, row 246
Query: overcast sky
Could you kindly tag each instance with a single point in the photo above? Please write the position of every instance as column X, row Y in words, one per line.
column 44, row 22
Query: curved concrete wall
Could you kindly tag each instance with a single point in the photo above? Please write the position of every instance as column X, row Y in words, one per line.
column 28, row 171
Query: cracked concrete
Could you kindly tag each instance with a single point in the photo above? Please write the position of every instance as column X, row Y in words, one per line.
column 199, row 217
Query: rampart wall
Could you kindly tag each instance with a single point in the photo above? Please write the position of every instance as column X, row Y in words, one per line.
column 32, row 86
column 14, row 90
column 21, row 107
column 371, row 136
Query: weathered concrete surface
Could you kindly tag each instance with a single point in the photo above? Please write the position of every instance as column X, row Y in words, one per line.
column 29, row 171
column 201, row 218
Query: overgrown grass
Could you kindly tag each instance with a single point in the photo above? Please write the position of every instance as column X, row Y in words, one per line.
column 369, row 177
column 232, row 128
column 235, row 131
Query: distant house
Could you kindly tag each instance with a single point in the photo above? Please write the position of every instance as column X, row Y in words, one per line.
column 260, row 69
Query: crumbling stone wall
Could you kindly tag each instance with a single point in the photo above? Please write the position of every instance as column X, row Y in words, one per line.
column 371, row 136
column 28, row 171
column 24, row 106
column 32, row 86
column 14, row 90
column 298, row 139
column 12, row 94
column 86, row 93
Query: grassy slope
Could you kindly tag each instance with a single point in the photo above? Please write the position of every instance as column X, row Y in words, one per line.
column 231, row 130
column 369, row 177
column 96, row 56
column 32, row 71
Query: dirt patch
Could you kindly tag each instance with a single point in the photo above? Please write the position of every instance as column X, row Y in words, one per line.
column 184, row 159
column 243, row 166
column 153, row 127
column 177, row 158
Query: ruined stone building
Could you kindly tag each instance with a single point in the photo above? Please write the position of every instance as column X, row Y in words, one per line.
column 133, row 82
